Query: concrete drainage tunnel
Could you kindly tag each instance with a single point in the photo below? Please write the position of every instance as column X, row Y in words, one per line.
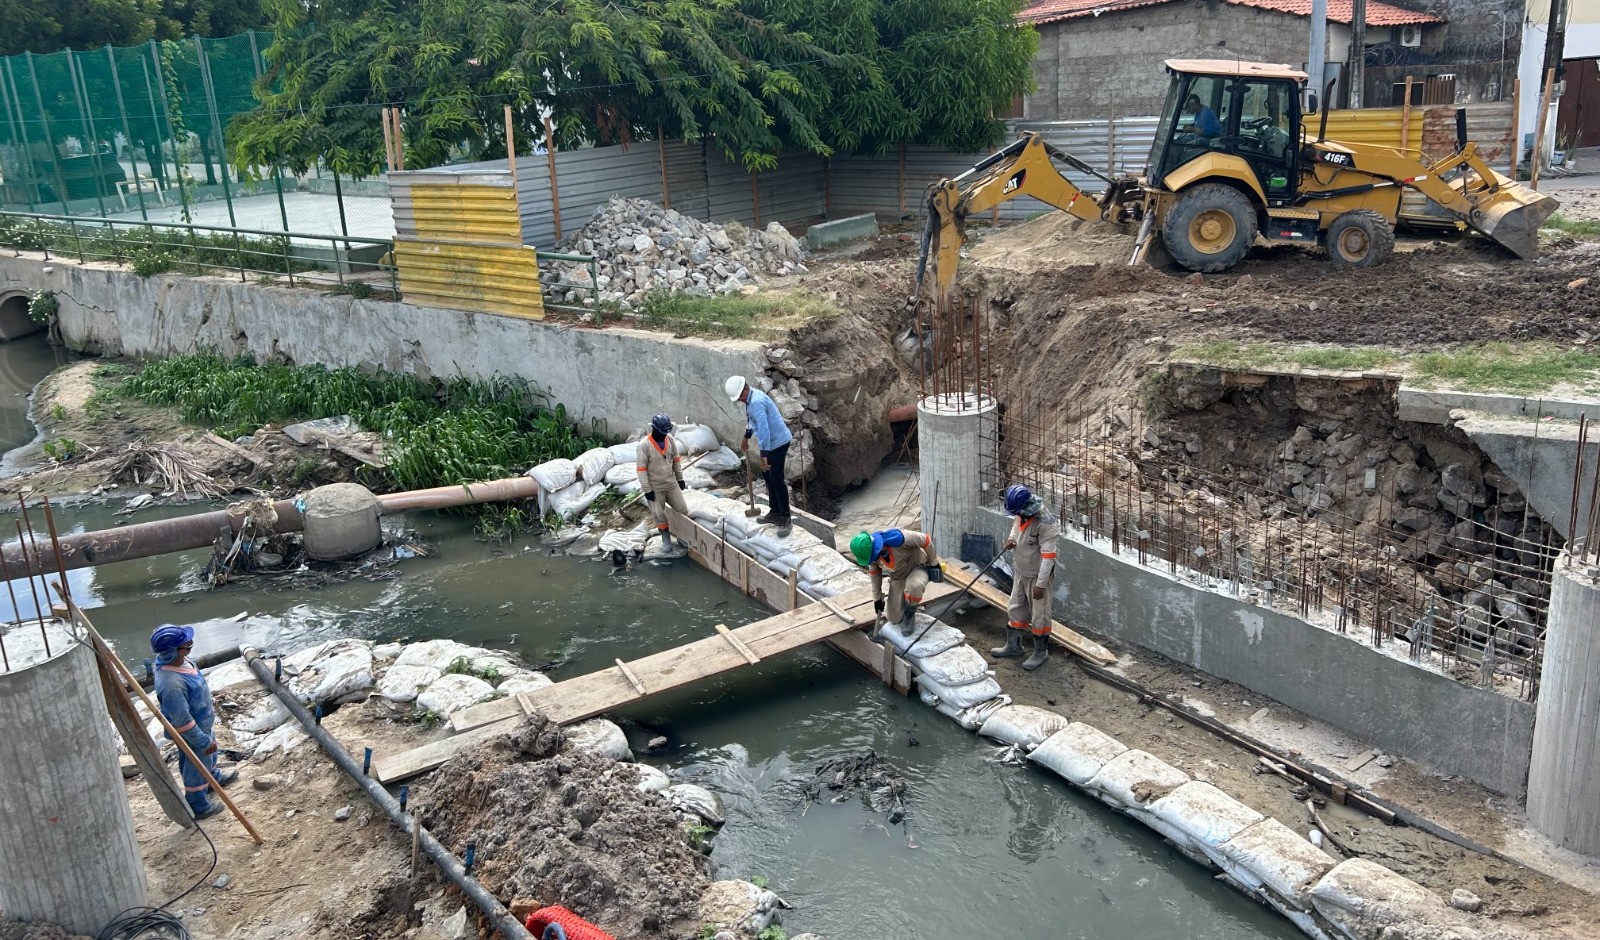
column 1259, row 717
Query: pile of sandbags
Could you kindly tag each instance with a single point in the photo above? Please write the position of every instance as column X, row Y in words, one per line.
column 822, row 571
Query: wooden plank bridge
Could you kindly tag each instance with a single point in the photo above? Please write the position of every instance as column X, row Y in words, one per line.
column 802, row 620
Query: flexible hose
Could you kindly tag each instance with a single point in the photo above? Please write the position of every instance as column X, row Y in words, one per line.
column 500, row 918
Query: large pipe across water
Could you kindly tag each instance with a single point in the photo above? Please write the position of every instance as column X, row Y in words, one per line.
column 158, row 537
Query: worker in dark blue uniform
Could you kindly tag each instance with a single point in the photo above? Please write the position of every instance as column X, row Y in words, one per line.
column 185, row 700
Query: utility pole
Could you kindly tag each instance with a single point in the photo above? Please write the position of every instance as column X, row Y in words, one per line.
column 1317, row 58
column 1358, row 51
column 1555, row 40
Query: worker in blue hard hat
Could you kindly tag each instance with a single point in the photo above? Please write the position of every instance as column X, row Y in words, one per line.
column 910, row 561
column 660, row 466
column 1032, row 543
column 185, row 700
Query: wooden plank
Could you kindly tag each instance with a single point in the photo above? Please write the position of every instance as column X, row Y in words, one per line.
column 834, row 608
column 1360, row 760
column 738, row 644
column 388, row 768
column 145, row 753
column 235, row 449
column 633, row 680
column 963, row 574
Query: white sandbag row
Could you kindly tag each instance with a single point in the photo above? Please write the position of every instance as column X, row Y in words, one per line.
column 569, row 487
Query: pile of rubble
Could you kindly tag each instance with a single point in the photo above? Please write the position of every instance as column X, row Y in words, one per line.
column 640, row 247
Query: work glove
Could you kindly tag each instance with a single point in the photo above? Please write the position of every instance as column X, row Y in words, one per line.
column 681, row 486
column 1010, row 544
column 650, row 497
column 210, row 748
column 935, row 573
column 877, row 607
column 1038, row 592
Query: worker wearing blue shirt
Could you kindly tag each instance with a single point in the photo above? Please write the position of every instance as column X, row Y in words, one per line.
column 765, row 424
column 1205, row 120
column 185, row 700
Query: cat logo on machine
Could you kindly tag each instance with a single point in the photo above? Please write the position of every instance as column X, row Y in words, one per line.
column 1015, row 182
column 1342, row 159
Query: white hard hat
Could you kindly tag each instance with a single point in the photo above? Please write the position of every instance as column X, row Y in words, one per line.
column 734, row 387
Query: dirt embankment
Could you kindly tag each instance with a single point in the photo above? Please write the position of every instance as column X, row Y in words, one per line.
column 93, row 441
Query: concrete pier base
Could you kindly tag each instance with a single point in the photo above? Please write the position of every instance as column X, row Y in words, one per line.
column 1564, row 779
column 957, row 457
column 68, row 854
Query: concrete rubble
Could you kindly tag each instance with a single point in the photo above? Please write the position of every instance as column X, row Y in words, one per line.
column 640, row 247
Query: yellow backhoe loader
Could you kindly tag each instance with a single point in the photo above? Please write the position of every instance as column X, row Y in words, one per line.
column 1232, row 160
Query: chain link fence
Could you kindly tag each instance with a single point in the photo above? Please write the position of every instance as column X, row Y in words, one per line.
column 142, row 133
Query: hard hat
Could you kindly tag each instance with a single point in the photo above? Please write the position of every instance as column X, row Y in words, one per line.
column 661, row 424
column 1017, row 498
column 734, row 387
column 168, row 637
column 865, row 547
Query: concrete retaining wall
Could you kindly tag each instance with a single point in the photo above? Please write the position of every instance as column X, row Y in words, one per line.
column 1564, row 786
column 617, row 376
column 1449, row 726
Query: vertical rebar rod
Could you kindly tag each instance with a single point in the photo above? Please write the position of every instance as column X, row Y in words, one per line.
column 55, row 543
column 1577, row 478
column 27, row 569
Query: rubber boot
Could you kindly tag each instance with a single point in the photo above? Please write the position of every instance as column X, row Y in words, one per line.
column 1013, row 647
column 228, row 776
column 1041, row 651
column 213, row 807
column 908, row 623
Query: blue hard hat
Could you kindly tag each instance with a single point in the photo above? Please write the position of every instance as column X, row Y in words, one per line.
column 661, row 424
column 168, row 637
column 1017, row 498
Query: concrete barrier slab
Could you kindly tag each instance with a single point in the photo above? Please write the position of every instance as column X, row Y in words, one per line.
column 842, row 231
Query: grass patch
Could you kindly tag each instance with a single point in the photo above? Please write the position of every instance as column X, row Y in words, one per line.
column 438, row 434
column 1261, row 355
column 735, row 315
column 1581, row 228
column 1525, row 368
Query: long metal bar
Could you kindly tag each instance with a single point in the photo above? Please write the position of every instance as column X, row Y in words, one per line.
column 500, row 918
column 216, row 124
column 49, row 134
column 127, row 131
column 80, row 91
column 19, row 132
column 166, row 109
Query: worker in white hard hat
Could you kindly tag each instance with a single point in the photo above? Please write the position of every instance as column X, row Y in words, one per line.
column 765, row 424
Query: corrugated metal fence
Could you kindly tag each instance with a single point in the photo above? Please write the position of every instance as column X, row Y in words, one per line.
column 697, row 180
column 458, row 242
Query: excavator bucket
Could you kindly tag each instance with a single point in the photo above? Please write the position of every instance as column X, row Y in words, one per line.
column 1506, row 211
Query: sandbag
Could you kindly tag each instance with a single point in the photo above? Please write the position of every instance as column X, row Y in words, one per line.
column 282, row 740
column 823, row 563
column 622, row 473
column 696, row 479
column 696, row 438
column 972, row 718
column 599, row 736
column 593, row 464
column 1077, row 752
column 450, row 693
column 524, row 681
column 265, row 715
column 958, row 665
column 961, row 696
column 628, row 487
column 625, row 454
column 437, row 654
column 1200, row 815
column 721, row 460
column 1022, row 725
column 939, row 637
column 626, row 541
column 554, row 475
column 231, row 675
column 651, row 779
column 1272, row 857
column 1134, row 778
column 696, row 801
column 403, row 683
column 335, row 675
column 1368, row 902
column 573, row 500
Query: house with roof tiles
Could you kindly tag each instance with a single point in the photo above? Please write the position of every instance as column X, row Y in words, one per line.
column 1099, row 58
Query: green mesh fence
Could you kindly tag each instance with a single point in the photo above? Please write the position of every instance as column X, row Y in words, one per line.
column 142, row 132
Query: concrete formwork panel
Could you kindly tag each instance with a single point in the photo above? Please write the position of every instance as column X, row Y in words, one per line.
column 950, row 437
column 1564, row 781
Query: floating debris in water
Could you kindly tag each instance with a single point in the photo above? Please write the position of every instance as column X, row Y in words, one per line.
column 882, row 789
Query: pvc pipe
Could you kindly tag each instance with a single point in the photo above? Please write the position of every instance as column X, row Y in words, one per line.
column 500, row 918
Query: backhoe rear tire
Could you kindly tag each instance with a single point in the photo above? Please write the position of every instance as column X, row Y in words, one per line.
column 1209, row 228
column 1360, row 238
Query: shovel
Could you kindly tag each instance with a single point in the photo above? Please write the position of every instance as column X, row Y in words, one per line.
column 749, row 488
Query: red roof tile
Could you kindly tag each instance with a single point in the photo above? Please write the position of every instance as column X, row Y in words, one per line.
column 1378, row 13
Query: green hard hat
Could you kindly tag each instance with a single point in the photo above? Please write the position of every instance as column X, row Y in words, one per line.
column 861, row 547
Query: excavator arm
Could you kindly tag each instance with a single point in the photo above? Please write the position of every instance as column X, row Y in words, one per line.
column 1025, row 167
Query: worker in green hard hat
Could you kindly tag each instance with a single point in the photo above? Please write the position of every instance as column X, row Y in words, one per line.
column 910, row 561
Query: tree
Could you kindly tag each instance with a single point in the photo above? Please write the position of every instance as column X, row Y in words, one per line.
column 756, row 77
column 42, row 26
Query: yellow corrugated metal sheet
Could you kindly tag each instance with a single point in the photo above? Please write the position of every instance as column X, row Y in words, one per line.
column 456, row 212
column 484, row 278
column 1377, row 126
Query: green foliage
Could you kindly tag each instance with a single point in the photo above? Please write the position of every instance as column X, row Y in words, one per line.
column 151, row 250
column 62, row 449
column 1262, row 355
column 1580, row 228
column 736, row 315
column 760, row 881
column 48, row 25
column 430, row 718
column 437, row 434
column 755, row 77
column 1529, row 367
column 460, row 666
column 772, row 932
column 43, row 307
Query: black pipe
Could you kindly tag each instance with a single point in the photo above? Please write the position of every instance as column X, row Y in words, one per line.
column 148, row 680
column 1461, row 129
column 500, row 918
column 1327, row 105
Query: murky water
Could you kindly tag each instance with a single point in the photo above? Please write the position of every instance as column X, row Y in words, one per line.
column 1000, row 850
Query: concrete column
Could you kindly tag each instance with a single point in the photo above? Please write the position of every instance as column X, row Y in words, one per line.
column 957, row 462
column 1564, row 779
column 67, row 848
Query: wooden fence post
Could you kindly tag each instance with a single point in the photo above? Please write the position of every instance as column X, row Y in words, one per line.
column 902, row 186
column 1405, row 116
column 550, row 160
column 661, row 147
column 511, row 147
column 1539, row 128
column 755, row 198
column 1516, row 138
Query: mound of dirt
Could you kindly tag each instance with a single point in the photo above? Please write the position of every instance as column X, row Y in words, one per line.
column 1052, row 241
column 571, row 829
column 16, row 930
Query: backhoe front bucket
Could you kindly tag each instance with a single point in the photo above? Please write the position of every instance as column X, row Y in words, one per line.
column 1507, row 211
